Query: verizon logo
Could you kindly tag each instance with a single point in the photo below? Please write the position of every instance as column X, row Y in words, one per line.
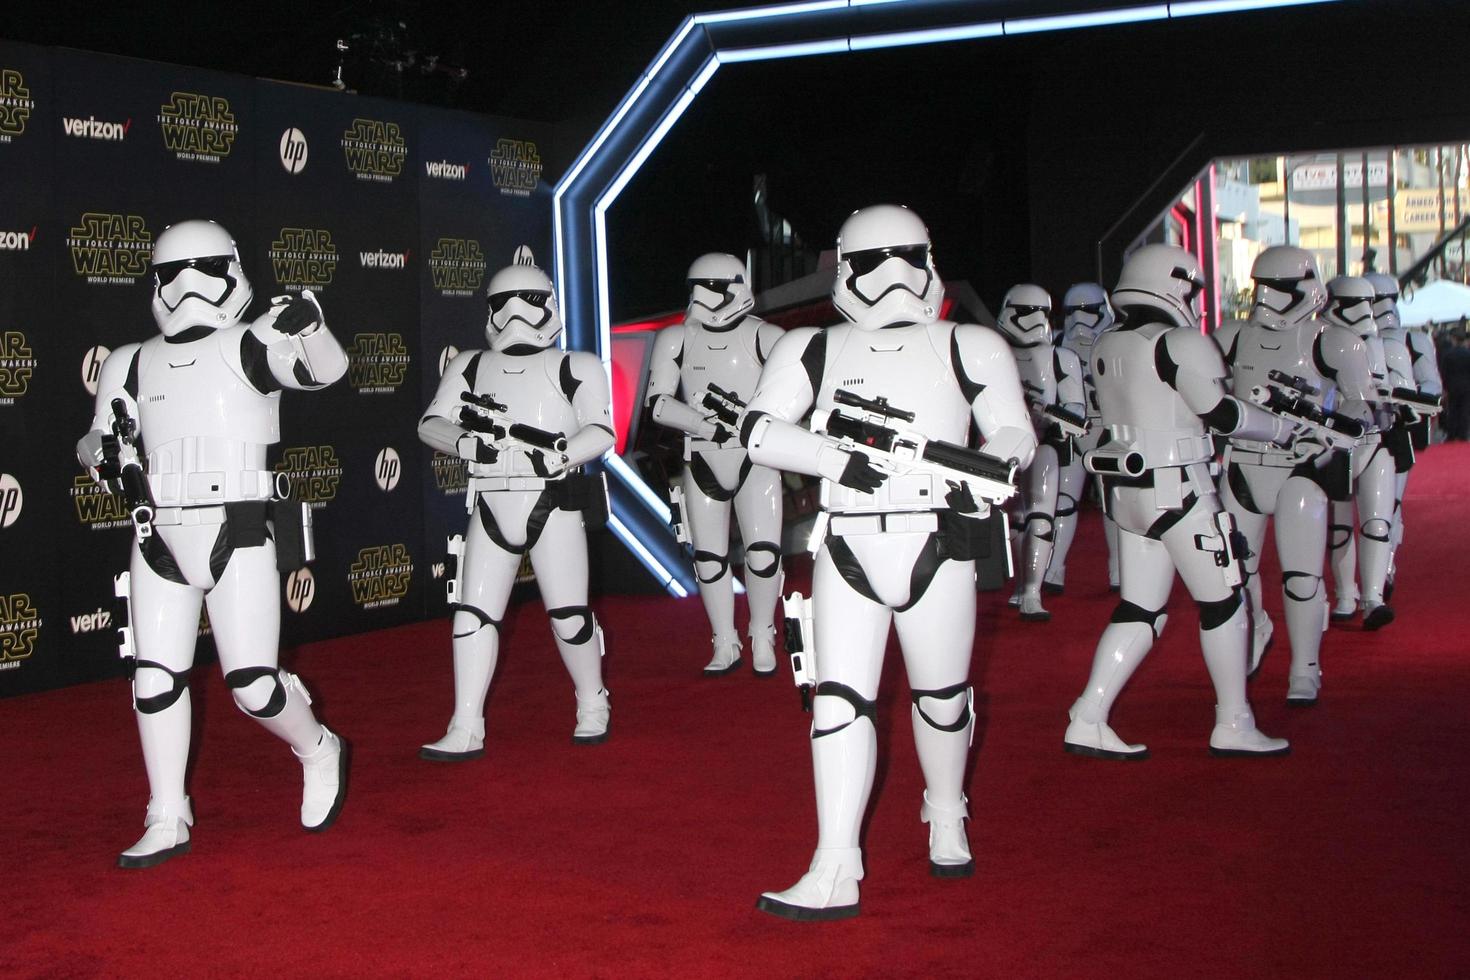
column 93, row 129
column 16, row 241
column 383, row 260
column 91, row 622
column 445, row 170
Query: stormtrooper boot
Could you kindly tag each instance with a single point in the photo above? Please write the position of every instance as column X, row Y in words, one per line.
column 166, row 835
column 1031, row 608
column 726, row 658
column 463, row 741
column 324, row 788
column 1088, row 734
column 1302, row 688
column 594, row 716
column 829, row 889
column 949, row 849
column 1345, row 608
column 1376, row 615
column 763, row 651
column 1236, row 734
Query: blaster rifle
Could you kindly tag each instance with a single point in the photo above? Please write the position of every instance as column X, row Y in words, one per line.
column 726, row 406
column 1290, row 398
column 1412, row 401
column 988, row 478
column 122, row 468
column 482, row 413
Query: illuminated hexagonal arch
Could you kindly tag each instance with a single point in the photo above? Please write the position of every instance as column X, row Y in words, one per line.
column 683, row 67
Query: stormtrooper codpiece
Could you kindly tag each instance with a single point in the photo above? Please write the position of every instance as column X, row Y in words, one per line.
column 1087, row 314
column 897, row 540
column 1160, row 384
column 182, row 426
column 704, row 371
column 525, row 416
column 1381, row 460
column 1052, row 380
column 1283, row 356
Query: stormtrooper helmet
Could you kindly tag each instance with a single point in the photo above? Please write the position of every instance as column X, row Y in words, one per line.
column 1086, row 309
column 885, row 272
column 1025, row 315
column 1350, row 305
column 197, row 278
column 1385, row 299
column 522, row 302
column 1161, row 279
column 1288, row 289
column 719, row 292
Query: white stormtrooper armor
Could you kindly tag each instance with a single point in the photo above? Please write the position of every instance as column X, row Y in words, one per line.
column 1087, row 314
column 1050, row 377
column 1160, row 385
column 896, row 549
column 1260, row 480
column 526, row 495
column 205, row 400
column 720, row 345
column 1384, row 450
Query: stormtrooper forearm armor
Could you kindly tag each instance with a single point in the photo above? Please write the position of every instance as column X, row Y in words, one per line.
column 303, row 361
column 1191, row 364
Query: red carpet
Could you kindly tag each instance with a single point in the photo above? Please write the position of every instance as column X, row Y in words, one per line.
column 645, row 856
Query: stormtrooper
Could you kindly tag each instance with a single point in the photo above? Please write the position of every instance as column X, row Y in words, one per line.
column 1087, row 314
column 895, row 542
column 720, row 348
column 182, row 425
column 1383, row 451
column 1052, row 380
column 524, row 415
column 1283, row 352
column 1160, row 384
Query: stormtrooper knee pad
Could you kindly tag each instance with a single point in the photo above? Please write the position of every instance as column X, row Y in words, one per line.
column 148, row 677
column 1339, row 536
column 1039, row 523
column 769, row 554
column 1132, row 612
column 1066, row 505
column 710, row 567
column 573, row 625
column 258, row 691
column 1213, row 615
column 1301, row 586
column 836, row 706
column 469, row 620
column 1376, row 529
column 948, row 709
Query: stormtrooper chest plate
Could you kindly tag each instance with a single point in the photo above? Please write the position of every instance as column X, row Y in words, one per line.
column 1259, row 351
column 725, row 358
column 530, row 388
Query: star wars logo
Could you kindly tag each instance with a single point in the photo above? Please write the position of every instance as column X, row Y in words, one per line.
column 381, row 576
column 15, row 104
column 18, row 241
column 515, row 166
column 303, row 258
column 110, row 249
column 96, row 507
column 451, row 474
column 198, row 127
column 315, row 473
column 375, row 150
column 377, row 363
column 16, row 366
column 20, row 624
column 457, row 266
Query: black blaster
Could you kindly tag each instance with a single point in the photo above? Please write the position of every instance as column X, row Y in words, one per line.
column 1070, row 424
column 1290, row 397
column 122, row 469
column 482, row 413
column 725, row 406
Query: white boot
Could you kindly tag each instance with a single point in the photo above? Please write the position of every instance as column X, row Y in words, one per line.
column 949, row 849
column 594, row 715
column 1376, row 615
column 763, row 651
column 1302, row 689
column 166, row 836
column 829, row 889
column 1345, row 608
column 324, row 788
column 726, row 658
column 1088, row 734
column 1031, row 609
column 462, row 742
column 1236, row 734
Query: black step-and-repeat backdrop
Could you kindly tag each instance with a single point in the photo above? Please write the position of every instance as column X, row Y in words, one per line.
column 394, row 215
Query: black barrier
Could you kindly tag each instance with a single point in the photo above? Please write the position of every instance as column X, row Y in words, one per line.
column 395, row 215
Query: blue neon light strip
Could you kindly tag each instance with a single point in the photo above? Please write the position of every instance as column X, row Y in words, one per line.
column 652, row 107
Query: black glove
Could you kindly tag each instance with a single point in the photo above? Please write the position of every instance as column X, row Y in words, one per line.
column 479, row 452
column 960, row 499
column 859, row 474
column 298, row 315
column 721, row 436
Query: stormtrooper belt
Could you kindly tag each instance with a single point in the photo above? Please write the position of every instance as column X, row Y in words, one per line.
column 1246, row 457
column 847, row 525
column 493, row 484
column 189, row 516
